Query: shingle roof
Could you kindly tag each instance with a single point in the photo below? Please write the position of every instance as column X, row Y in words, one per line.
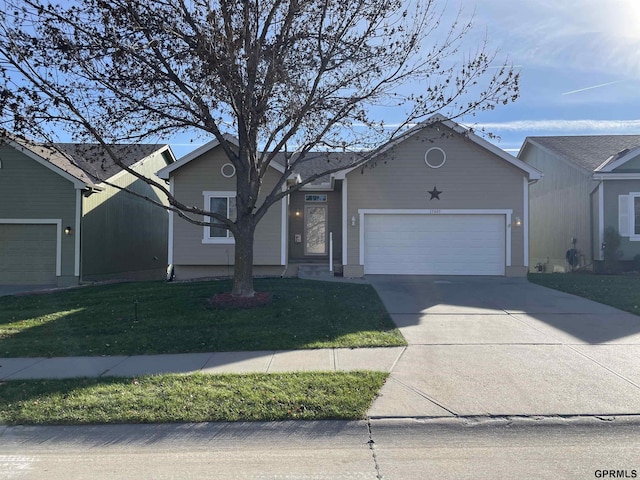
column 93, row 160
column 315, row 162
column 86, row 162
column 588, row 151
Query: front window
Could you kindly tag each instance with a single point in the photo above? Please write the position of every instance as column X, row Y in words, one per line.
column 223, row 203
column 636, row 215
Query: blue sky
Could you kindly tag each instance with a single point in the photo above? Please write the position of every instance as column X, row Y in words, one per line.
column 579, row 62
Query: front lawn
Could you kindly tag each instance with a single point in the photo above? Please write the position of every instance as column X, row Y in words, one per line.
column 190, row 398
column 619, row 291
column 156, row 317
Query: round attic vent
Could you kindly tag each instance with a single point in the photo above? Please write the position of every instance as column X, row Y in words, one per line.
column 435, row 157
column 228, row 170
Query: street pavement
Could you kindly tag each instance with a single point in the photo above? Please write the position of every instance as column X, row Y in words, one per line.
column 377, row 449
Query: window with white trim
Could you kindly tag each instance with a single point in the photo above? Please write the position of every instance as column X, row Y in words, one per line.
column 635, row 216
column 629, row 216
column 223, row 203
column 318, row 197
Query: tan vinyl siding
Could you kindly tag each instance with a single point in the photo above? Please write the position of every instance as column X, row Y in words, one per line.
column 559, row 210
column 471, row 178
column 29, row 190
column 203, row 174
column 124, row 235
column 612, row 189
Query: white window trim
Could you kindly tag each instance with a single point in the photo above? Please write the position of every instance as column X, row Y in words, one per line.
column 634, row 237
column 308, row 198
column 284, row 206
column 525, row 214
column 600, row 221
column 171, row 225
column 208, row 195
column 345, row 231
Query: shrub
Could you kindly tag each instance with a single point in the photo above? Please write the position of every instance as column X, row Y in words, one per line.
column 612, row 250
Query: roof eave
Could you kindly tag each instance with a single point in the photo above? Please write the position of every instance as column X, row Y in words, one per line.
column 610, row 166
column 165, row 173
column 531, row 141
column 78, row 183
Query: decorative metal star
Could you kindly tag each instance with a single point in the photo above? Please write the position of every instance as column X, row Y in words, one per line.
column 435, row 193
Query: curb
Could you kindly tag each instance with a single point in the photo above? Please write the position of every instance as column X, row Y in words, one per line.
column 508, row 421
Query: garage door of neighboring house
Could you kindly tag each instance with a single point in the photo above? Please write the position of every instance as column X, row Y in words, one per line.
column 423, row 244
column 27, row 254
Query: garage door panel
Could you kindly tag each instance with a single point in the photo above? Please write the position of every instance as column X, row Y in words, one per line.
column 28, row 254
column 435, row 244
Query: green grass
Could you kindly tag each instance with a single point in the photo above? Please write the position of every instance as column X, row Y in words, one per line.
column 156, row 317
column 190, row 398
column 619, row 291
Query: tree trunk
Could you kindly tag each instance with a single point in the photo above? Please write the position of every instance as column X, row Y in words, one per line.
column 243, row 269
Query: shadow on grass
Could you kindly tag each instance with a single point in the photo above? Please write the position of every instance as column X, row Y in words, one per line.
column 155, row 317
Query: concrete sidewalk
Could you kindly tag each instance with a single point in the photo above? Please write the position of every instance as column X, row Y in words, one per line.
column 329, row 359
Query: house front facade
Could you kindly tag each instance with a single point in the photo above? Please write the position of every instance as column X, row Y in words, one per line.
column 437, row 201
column 591, row 184
column 60, row 225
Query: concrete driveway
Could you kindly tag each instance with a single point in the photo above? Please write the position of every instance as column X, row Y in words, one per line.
column 500, row 346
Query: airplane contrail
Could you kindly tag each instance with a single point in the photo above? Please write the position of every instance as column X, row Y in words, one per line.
column 591, row 88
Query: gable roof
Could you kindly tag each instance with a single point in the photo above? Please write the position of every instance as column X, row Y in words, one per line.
column 85, row 165
column 615, row 161
column 92, row 160
column 585, row 151
column 165, row 172
column 531, row 172
column 50, row 158
column 318, row 161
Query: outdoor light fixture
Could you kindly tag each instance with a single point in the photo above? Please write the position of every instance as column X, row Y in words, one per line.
column 297, row 213
column 518, row 222
column 353, row 221
column 67, row 230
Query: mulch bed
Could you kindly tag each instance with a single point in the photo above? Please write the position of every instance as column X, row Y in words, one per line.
column 228, row 300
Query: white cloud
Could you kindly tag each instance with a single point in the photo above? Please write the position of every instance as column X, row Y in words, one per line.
column 570, row 34
column 570, row 126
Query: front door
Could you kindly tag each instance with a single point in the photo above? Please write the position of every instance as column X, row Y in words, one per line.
column 315, row 230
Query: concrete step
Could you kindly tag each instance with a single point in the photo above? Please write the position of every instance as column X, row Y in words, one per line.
column 314, row 271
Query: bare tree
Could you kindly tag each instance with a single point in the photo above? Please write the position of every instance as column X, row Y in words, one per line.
column 279, row 75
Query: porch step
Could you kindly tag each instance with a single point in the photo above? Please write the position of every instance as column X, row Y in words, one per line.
column 314, row 271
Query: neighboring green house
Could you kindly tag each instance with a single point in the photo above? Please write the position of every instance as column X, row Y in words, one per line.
column 438, row 200
column 61, row 224
column 590, row 183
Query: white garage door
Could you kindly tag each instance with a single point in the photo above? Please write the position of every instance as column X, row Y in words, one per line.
column 27, row 254
column 434, row 244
